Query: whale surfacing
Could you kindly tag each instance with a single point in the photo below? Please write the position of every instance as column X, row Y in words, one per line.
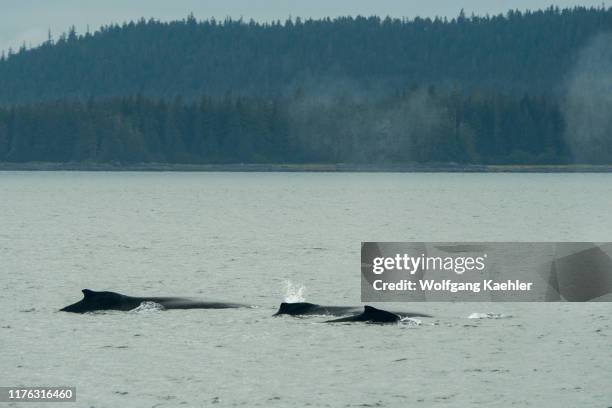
column 370, row 315
column 93, row 301
column 312, row 309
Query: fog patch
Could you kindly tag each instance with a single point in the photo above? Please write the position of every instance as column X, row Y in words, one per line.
column 588, row 103
column 341, row 121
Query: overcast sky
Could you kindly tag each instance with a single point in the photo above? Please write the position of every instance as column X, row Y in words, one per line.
column 29, row 20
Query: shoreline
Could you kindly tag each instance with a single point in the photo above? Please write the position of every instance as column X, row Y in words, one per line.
column 309, row 168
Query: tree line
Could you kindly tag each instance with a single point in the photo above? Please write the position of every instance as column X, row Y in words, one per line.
column 413, row 125
column 516, row 52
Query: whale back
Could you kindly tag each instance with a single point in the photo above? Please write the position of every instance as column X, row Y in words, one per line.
column 93, row 301
column 295, row 308
column 370, row 315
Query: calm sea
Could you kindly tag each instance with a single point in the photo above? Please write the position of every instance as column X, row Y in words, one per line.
column 260, row 238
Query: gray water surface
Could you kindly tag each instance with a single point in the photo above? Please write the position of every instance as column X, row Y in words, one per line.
column 242, row 237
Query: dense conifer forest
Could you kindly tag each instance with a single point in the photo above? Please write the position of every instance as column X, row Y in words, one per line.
column 519, row 88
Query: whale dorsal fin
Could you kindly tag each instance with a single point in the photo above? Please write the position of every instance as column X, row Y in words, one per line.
column 379, row 316
column 87, row 293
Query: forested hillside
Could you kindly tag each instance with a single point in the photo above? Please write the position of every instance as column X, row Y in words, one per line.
column 519, row 88
column 517, row 52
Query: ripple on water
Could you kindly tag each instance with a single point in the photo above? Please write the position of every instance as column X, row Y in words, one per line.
column 488, row 316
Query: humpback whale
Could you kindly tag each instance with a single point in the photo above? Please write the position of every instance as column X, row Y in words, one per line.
column 311, row 309
column 93, row 301
column 370, row 315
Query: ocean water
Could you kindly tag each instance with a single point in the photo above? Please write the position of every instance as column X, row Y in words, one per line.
column 260, row 238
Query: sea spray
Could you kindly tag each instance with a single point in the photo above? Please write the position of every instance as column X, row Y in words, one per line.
column 148, row 307
column 294, row 292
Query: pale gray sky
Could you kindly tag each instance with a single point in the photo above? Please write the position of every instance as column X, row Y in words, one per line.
column 29, row 20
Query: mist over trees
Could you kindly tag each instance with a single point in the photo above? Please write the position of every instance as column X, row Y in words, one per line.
column 490, row 89
column 413, row 126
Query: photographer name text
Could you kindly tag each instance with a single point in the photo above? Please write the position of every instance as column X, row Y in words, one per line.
column 447, row 285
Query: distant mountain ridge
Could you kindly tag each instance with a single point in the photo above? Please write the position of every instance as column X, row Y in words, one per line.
column 516, row 52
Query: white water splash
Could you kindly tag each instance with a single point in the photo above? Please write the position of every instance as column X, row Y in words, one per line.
column 148, row 307
column 294, row 293
column 411, row 321
column 488, row 316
